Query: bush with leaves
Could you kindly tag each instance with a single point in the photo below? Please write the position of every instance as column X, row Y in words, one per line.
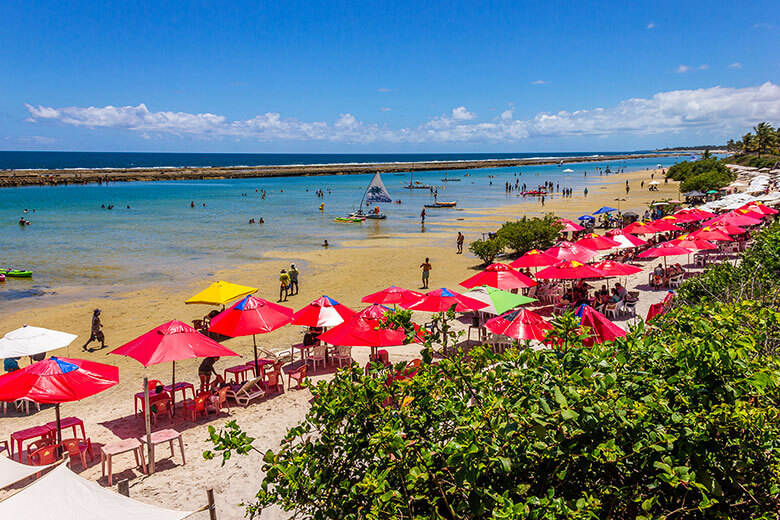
column 530, row 233
column 702, row 175
column 487, row 250
column 681, row 422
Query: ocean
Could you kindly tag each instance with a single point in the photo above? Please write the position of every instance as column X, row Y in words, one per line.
column 153, row 235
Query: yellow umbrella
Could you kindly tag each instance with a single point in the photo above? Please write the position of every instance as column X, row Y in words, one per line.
column 219, row 293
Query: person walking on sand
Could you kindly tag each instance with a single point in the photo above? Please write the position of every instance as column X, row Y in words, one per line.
column 97, row 332
column 293, row 272
column 426, row 272
column 284, row 285
column 460, row 243
column 422, row 216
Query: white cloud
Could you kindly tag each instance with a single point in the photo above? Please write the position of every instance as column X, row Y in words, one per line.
column 539, row 82
column 735, row 65
column 651, row 25
column 763, row 26
column 32, row 139
column 461, row 114
column 715, row 109
column 385, row 109
column 682, row 69
column 384, row 89
column 703, row 66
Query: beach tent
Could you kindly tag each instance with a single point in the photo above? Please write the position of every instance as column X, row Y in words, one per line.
column 28, row 341
column 694, row 193
column 63, row 495
column 219, row 293
column 12, row 472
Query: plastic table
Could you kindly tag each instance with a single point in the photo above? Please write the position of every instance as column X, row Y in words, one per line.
column 115, row 448
column 168, row 436
column 23, row 435
column 68, row 422
column 239, row 372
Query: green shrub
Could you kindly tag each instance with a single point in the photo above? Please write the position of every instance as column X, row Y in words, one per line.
column 487, row 250
column 530, row 233
column 702, row 175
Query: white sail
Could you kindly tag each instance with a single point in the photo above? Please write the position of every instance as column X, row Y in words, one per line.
column 376, row 191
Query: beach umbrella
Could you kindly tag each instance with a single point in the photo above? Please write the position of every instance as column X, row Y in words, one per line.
column 729, row 229
column 760, row 208
column 665, row 249
column 597, row 326
column 735, row 219
column 604, row 209
column 749, row 213
column 28, row 341
column 58, row 380
column 662, row 226
column 626, row 240
column 570, row 270
column 693, row 243
column 612, row 268
column 568, row 170
column 700, row 214
column 519, row 324
column 322, row 312
column 585, row 217
column 534, row 258
column 654, row 183
column 569, row 225
column 363, row 330
column 683, row 218
column 219, row 293
column 498, row 301
column 251, row 316
column 597, row 242
column 709, row 233
column 639, row 228
column 569, row 251
column 393, row 295
column 443, row 299
column 500, row 276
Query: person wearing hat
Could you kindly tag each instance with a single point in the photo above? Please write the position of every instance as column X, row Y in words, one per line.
column 97, row 333
column 284, row 287
column 293, row 272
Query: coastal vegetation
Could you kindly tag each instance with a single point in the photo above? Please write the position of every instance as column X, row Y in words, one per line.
column 679, row 419
column 759, row 149
column 488, row 249
column 530, row 233
column 708, row 173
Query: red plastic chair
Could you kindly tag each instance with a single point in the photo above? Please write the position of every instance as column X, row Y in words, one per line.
column 219, row 400
column 273, row 379
column 37, row 445
column 43, row 456
column 160, row 407
column 299, row 375
column 76, row 448
column 196, row 406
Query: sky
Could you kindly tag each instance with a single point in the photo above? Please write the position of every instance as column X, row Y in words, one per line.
column 370, row 77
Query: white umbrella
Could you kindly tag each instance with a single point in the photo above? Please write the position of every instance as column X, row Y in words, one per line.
column 28, row 341
column 568, row 170
column 654, row 182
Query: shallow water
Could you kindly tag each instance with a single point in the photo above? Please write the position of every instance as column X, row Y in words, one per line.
column 73, row 242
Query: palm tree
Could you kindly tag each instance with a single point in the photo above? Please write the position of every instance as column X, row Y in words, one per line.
column 764, row 134
column 747, row 142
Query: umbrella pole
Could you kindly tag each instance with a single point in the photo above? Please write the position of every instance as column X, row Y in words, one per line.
column 59, row 424
column 147, row 422
column 254, row 342
column 173, row 389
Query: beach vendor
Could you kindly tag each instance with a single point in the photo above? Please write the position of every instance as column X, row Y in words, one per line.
column 96, row 331
column 284, row 284
column 293, row 272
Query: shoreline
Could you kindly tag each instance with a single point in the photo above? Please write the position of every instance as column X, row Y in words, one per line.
column 55, row 177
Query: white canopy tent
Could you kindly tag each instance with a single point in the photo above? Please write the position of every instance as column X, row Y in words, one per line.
column 63, row 495
column 28, row 341
column 12, row 472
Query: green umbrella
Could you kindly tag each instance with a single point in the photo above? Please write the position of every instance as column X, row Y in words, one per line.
column 498, row 301
column 712, row 191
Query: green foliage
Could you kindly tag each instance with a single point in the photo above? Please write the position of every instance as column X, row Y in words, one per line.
column 487, row 250
column 702, row 175
column 766, row 161
column 530, row 233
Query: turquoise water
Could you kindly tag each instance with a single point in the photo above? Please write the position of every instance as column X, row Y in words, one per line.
column 73, row 242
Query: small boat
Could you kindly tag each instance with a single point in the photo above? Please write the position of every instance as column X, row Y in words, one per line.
column 16, row 273
column 442, row 204
column 372, row 216
column 375, row 192
column 348, row 219
column 448, row 179
column 416, row 185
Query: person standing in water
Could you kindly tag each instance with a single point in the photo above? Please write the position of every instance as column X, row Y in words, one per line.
column 422, row 216
column 426, row 272
column 293, row 272
column 97, row 332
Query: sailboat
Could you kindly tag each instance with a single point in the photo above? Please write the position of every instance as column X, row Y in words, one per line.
column 448, row 179
column 416, row 185
column 375, row 192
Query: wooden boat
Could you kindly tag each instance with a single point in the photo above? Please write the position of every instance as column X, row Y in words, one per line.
column 416, row 185
column 442, row 204
column 448, row 179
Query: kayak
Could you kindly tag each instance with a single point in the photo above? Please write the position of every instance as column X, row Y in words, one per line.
column 348, row 219
column 16, row 273
column 442, row 204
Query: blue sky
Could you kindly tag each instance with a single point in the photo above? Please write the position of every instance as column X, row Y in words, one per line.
column 384, row 76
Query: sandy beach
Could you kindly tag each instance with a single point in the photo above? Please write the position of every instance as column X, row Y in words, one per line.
column 345, row 273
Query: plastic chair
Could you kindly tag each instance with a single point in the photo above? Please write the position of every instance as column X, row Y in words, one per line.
column 342, row 353
column 243, row 394
column 161, row 407
column 37, row 445
column 196, row 407
column 43, row 456
column 219, row 400
column 299, row 375
column 274, row 380
column 77, row 448
column 317, row 355
column 415, row 363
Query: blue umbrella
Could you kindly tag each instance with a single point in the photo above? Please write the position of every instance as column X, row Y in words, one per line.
column 585, row 217
column 605, row 209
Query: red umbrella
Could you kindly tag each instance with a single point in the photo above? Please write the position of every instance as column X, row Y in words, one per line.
column 442, row 299
column 598, row 326
column 683, row 218
column 322, row 312
column 569, row 225
column 363, row 330
column 534, row 258
column 568, row 251
column 58, row 380
column 665, row 249
column 760, row 208
column 750, row 213
column 708, row 233
column 693, row 243
column 570, row 270
column 597, row 242
column 251, row 316
column 735, row 219
column 519, row 324
column 729, row 229
column 694, row 214
column 639, row 228
column 662, row 226
column 393, row 295
column 627, row 240
column 612, row 268
column 500, row 276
